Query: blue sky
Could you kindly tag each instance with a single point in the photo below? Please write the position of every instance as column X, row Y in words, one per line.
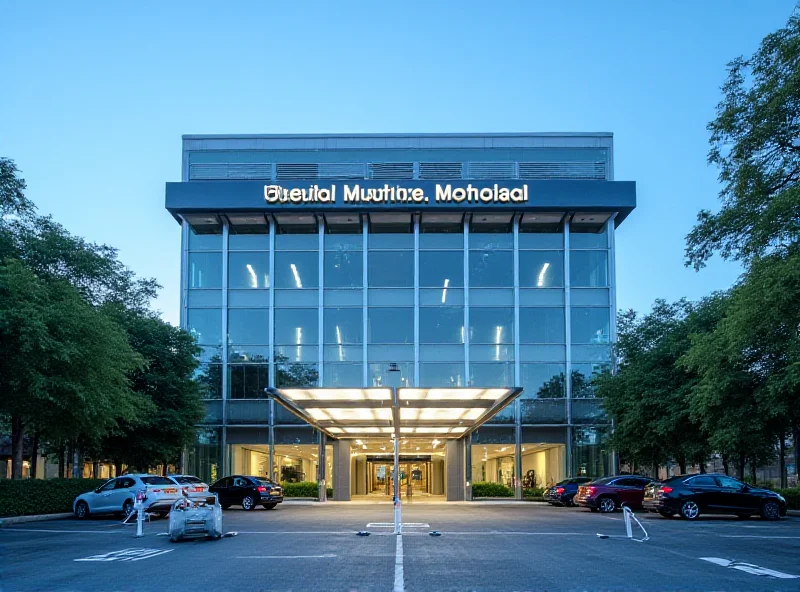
column 97, row 95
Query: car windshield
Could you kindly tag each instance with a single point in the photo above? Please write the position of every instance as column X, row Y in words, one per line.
column 156, row 481
column 184, row 479
column 604, row 481
column 264, row 480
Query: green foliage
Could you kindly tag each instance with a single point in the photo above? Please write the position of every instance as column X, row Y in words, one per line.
column 12, row 191
column 792, row 496
column 754, row 142
column 488, row 489
column 536, row 493
column 26, row 497
column 301, row 489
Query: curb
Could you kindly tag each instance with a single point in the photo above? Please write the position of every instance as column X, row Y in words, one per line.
column 793, row 513
column 36, row 518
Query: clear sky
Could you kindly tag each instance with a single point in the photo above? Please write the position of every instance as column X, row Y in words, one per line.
column 96, row 95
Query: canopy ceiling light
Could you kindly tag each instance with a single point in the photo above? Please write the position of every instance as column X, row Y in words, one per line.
column 445, row 413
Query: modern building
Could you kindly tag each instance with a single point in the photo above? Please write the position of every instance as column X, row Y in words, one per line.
column 452, row 291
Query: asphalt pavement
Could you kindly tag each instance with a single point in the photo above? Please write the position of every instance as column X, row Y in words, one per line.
column 492, row 547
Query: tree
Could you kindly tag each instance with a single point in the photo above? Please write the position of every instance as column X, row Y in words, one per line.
column 167, row 389
column 63, row 364
column 648, row 397
column 13, row 202
column 755, row 142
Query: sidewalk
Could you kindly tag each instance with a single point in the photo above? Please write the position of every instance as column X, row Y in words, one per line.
column 36, row 518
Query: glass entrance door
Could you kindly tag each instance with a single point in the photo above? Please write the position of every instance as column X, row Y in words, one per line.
column 414, row 478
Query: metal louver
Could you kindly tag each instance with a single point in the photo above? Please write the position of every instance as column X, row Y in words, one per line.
column 287, row 170
column 230, row 170
column 563, row 170
column 342, row 170
column 490, row 170
column 440, row 170
column 391, row 170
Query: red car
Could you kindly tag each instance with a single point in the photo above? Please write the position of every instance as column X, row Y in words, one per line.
column 611, row 493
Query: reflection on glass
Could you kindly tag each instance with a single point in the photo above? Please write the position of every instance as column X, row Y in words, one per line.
column 540, row 240
column 391, row 269
column 588, row 269
column 391, row 325
column 205, row 324
column 343, row 269
column 391, row 240
column 441, row 269
column 543, row 381
column 588, row 238
column 204, row 458
column 297, row 270
column 442, row 375
column 543, row 411
column 489, row 241
column 296, row 326
column 248, row 326
column 344, row 242
column 441, row 324
column 248, row 242
column 491, row 374
column 541, row 325
column 343, row 326
column 591, row 455
column 209, row 377
column 295, row 375
column 204, row 242
column 380, row 376
column 590, row 325
column 541, row 269
column 248, row 270
column 491, row 325
column 442, row 240
column 205, row 270
column 491, row 269
column 583, row 376
column 248, row 381
column 343, row 375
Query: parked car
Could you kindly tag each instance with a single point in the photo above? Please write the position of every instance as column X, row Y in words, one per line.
column 563, row 493
column 611, row 493
column 692, row 495
column 191, row 486
column 118, row 495
column 247, row 491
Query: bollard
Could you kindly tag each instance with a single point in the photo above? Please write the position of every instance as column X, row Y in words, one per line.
column 626, row 511
column 140, row 521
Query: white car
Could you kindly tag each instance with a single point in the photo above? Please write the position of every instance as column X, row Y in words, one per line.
column 118, row 496
column 191, row 486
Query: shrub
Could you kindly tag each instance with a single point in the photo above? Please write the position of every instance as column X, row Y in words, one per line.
column 25, row 497
column 487, row 489
column 792, row 496
column 534, row 492
column 302, row 489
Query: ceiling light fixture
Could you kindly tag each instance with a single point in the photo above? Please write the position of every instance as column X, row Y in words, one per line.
column 253, row 278
column 297, row 281
column 444, row 290
column 540, row 282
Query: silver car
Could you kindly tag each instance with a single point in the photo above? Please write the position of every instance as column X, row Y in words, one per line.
column 191, row 486
column 118, row 496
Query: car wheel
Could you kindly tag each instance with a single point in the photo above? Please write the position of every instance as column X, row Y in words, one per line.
column 770, row 510
column 690, row 510
column 127, row 508
column 607, row 505
column 665, row 514
column 248, row 503
column 743, row 516
column 81, row 510
column 270, row 506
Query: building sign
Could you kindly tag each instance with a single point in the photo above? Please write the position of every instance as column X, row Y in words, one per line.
column 403, row 195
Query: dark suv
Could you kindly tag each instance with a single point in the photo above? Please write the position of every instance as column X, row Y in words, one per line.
column 692, row 495
column 611, row 493
column 247, row 491
column 562, row 493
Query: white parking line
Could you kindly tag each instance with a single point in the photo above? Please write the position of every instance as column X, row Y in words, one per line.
column 756, row 536
column 749, row 568
column 399, row 583
column 326, row 556
column 391, row 525
column 133, row 554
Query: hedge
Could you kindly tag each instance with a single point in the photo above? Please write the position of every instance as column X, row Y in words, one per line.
column 488, row 489
column 304, row 489
column 792, row 496
column 42, row 496
column 535, row 492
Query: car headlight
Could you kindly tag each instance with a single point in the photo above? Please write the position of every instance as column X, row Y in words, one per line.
column 780, row 497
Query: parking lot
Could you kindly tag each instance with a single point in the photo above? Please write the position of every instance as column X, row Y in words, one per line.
column 483, row 546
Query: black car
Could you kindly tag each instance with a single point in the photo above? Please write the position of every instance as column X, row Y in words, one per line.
column 247, row 491
column 562, row 493
column 692, row 495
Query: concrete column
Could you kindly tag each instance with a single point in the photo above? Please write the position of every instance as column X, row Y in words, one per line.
column 341, row 470
column 322, row 482
column 454, row 455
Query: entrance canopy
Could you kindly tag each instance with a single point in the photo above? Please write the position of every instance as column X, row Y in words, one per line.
column 405, row 412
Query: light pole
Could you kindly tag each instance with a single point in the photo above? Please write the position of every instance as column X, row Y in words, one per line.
column 394, row 382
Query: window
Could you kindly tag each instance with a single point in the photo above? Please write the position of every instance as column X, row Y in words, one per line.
column 344, row 269
column 343, row 326
column 239, row 482
column 441, row 269
column 541, row 325
column 441, row 324
column 223, row 483
column 248, row 381
column 125, row 483
column 729, row 483
column 248, row 326
column 108, row 486
column 491, row 325
column 296, row 326
column 702, row 482
column 391, row 269
column 543, row 381
column 541, row 269
column 491, row 269
column 206, row 325
column 590, row 325
column 204, row 242
column 248, row 270
column 296, row 270
column 391, row 325
column 588, row 269
column 153, row 480
column 205, row 270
